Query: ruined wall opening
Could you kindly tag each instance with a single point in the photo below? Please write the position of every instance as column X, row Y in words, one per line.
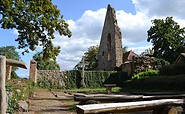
column 109, row 46
column 103, row 56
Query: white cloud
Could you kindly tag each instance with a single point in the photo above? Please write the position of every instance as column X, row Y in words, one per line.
column 133, row 27
column 15, row 31
column 161, row 7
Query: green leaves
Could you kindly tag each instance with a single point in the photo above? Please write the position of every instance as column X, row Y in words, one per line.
column 36, row 22
column 91, row 56
column 168, row 39
column 45, row 64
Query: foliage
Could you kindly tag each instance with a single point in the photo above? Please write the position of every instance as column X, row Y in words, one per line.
column 10, row 53
column 125, row 49
column 36, row 21
column 18, row 89
column 173, row 69
column 148, row 52
column 91, row 56
column 43, row 64
column 12, row 102
column 73, row 79
column 148, row 73
column 158, row 83
column 161, row 63
column 96, row 79
column 117, row 78
column 168, row 39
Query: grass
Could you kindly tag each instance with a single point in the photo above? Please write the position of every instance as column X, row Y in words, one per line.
column 71, row 104
column 90, row 90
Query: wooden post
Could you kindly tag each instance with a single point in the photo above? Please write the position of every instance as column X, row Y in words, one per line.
column 8, row 72
column 2, row 85
column 83, row 71
column 33, row 71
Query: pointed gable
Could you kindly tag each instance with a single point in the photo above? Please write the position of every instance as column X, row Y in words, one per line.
column 110, row 50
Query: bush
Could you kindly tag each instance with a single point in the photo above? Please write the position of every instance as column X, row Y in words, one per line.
column 174, row 69
column 161, row 63
column 18, row 89
column 145, row 74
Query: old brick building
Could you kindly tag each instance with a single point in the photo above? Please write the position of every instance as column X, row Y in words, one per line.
column 110, row 51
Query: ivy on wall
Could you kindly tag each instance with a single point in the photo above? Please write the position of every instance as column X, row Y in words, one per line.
column 73, row 79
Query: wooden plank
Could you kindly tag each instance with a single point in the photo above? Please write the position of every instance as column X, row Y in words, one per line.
column 113, row 97
column 21, row 64
column 127, row 106
column 109, row 98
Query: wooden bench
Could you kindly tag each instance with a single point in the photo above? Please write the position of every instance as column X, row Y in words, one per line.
column 109, row 87
column 157, row 105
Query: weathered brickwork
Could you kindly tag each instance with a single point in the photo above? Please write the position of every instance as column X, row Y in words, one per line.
column 110, row 50
column 52, row 75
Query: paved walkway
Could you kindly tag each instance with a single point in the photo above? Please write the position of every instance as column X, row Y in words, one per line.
column 45, row 102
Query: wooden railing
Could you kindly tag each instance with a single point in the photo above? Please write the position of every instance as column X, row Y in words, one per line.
column 3, row 63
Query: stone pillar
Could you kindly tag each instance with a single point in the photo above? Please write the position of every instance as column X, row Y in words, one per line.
column 2, row 85
column 33, row 71
column 8, row 72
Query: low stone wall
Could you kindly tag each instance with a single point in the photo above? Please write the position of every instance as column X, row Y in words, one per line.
column 56, row 77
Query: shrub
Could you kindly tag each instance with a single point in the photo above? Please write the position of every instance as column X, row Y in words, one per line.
column 174, row 69
column 18, row 89
column 145, row 74
column 161, row 63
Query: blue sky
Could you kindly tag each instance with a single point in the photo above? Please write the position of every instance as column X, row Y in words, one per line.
column 86, row 19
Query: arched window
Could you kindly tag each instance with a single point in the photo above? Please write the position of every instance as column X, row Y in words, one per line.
column 109, row 46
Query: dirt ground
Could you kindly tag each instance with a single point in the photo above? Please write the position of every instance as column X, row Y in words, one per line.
column 45, row 102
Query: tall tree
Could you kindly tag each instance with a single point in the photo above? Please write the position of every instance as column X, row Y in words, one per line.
column 10, row 53
column 91, row 56
column 36, row 21
column 168, row 39
column 43, row 64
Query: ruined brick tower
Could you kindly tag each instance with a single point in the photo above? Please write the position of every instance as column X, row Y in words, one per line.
column 110, row 50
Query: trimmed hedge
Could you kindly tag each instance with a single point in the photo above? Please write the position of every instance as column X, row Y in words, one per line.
column 158, row 83
column 174, row 69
